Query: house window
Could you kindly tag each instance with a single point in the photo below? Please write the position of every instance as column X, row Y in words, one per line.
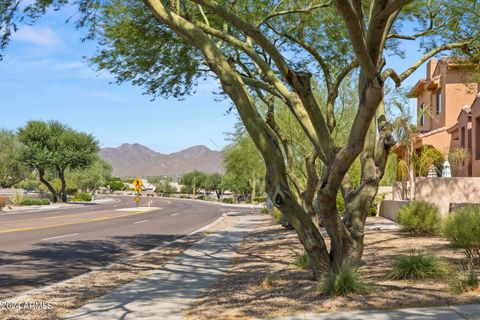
column 477, row 138
column 462, row 137
column 422, row 114
column 439, row 101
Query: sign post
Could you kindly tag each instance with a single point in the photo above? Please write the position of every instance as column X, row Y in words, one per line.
column 138, row 188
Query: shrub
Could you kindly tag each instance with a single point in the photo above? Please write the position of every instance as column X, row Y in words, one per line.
column 462, row 229
column 280, row 218
column 227, row 200
column 270, row 280
column 417, row 266
column 464, row 282
column 35, row 202
column 260, row 199
column 3, row 203
column 82, row 196
column 347, row 280
column 301, row 260
column 17, row 199
column 419, row 217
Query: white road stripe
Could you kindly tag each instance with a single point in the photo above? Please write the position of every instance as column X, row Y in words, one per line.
column 67, row 235
column 174, row 214
column 141, row 221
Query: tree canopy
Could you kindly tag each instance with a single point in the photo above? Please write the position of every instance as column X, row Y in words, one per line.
column 54, row 147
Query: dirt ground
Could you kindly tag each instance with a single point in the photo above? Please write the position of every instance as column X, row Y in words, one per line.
column 270, row 249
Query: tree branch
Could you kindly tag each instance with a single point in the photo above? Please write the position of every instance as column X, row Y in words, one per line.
column 308, row 9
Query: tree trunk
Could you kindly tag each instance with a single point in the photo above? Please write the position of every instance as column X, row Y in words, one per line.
column 63, row 190
column 41, row 177
column 254, row 189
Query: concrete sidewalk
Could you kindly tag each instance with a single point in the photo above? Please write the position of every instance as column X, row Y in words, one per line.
column 165, row 293
column 465, row 312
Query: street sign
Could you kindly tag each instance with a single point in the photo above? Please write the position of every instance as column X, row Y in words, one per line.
column 137, row 183
column 137, row 199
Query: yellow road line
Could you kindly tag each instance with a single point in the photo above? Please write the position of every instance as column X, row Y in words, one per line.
column 71, row 223
column 53, row 217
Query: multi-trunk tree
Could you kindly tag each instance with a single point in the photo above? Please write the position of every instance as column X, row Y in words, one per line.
column 274, row 52
column 53, row 148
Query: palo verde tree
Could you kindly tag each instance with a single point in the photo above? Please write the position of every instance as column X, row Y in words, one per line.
column 12, row 170
column 51, row 147
column 274, row 51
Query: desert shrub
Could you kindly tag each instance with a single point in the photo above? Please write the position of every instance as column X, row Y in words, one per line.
column 347, row 280
column 227, row 200
column 260, row 199
column 82, row 196
column 34, row 202
column 17, row 199
column 465, row 281
column 3, row 203
column 26, row 202
column 280, row 218
column 462, row 229
column 419, row 217
column 270, row 280
column 417, row 266
column 301, row 260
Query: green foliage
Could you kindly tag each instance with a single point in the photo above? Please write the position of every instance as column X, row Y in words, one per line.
column 457, row 157
column 260, row 199
column 417, row 266
column 53, row 146
column 462, row 229
column 35, row 201
column 228, row 200
column 419, row 217
column 116, row 184
column 17, row 199
column 301, row 260
column 83, row 196
column 428, row 156
column 12, row 170
column 91, row 178
column 347, row 280
column 193, row 181
column 464, row 282
column 244, row 166
column 162, row 185
column 213, row 183
column 390, row 175
column 280, row 218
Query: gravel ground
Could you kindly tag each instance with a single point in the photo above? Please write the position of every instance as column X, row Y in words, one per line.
column 64, row 297
column 269, row 250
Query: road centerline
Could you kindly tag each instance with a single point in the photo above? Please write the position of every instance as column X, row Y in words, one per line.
column 141, row 221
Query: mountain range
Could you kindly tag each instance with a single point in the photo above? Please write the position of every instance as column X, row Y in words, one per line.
column 129, row 160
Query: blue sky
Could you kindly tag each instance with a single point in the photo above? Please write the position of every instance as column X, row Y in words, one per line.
column 44, row 76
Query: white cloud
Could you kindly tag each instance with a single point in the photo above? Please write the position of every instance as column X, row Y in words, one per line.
column 41, row 36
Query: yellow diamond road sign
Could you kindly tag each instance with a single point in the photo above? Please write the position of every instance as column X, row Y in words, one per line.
column 137, row 199
column 137, row 183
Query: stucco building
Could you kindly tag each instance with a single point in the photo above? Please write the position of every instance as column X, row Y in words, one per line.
column 448, row 105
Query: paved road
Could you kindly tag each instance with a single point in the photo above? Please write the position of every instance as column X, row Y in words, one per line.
column 43, row 247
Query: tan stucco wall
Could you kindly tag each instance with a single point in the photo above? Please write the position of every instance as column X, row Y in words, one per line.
column 389, row 208
column 443, row 191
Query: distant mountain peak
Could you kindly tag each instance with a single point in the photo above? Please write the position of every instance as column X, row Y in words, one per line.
column 138, row 160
